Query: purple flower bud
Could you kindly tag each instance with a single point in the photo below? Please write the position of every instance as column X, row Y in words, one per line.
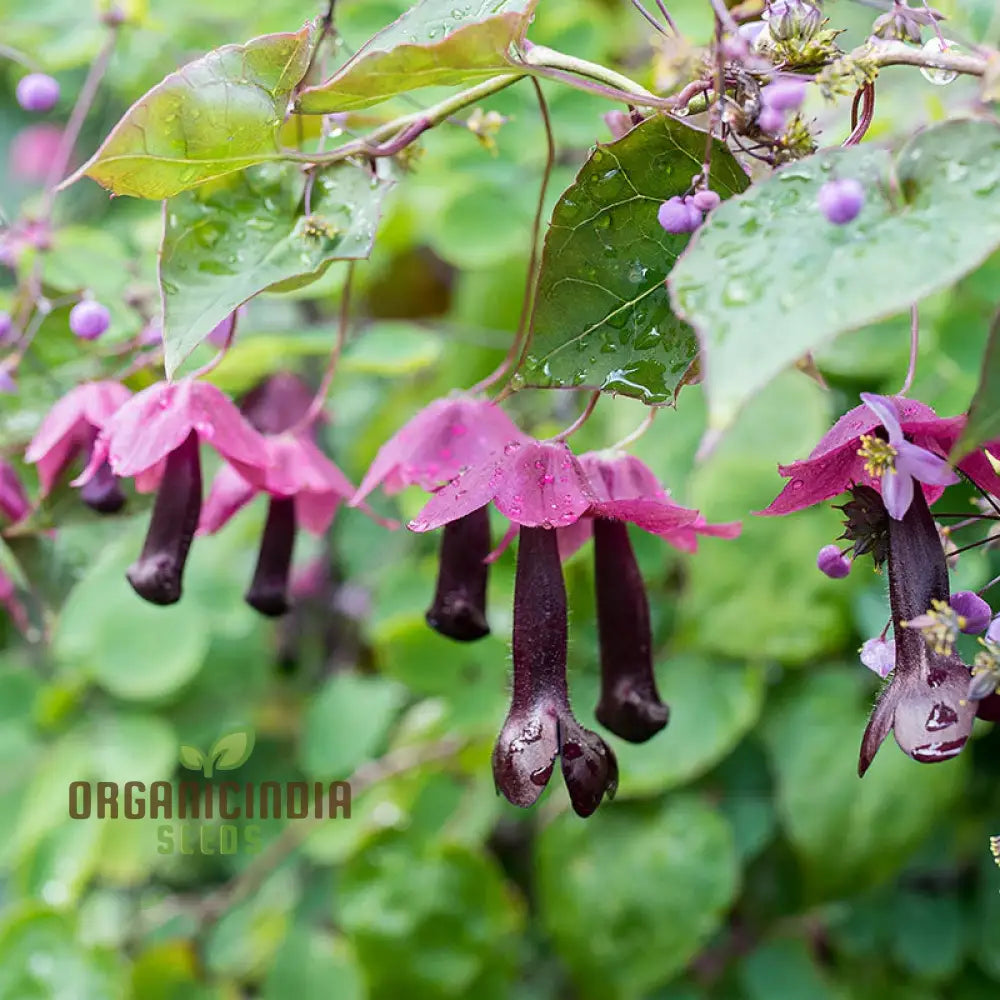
column 705, row 201
column 674, row 216
column 784, row 95
column 973, row 609
column 832, row 562
column 459, row 607
column 879, row 656
column 6, row 325
column 993, row 632
column 89, row 319
column 7, row 384
column 750, row 31
column 841, row 201
column 771, row 121
column 37, row 92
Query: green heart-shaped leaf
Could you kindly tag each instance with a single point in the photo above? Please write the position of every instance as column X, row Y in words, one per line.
column 603, row 318
column 434, row 44
column 225, row 242
column 218, row 114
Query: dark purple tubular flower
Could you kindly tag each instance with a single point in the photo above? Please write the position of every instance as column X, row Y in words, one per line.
column 926, row 703
column 268, row 592
column 540, row 725
column 630, row 705
column 459, row 607
column 156, row 574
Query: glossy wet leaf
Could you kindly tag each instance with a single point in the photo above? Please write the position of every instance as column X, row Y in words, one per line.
column 225, row 242
column 603, row 318
column 218, row 114
column 984, row 411
column 769, row 279
column 627, row 921
column 435, row 43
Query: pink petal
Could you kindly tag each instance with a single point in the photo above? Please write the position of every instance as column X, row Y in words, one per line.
column 439, row 442
column 146, row 429
column 882, row 407
column 623, row 476
column 977, row 467
column 541, row 484
column 219, row 423
column 229, row 494
column 686, row 538
column 9, row 600
column 658, row 517
column 315, row 511
column 924, row 465
column 13, row 500
column 897, row 493
column 574, row 536
column 464, row 494
column 508, row 536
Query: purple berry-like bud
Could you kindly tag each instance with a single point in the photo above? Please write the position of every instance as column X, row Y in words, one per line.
column 7, row 384
column 879, row 656
column 973, row 609
column 618, row 122
column 674, row 216
column 832, row 562
column 6, row 325
column 784, row 95
column 771, row 120
column 705, row 201
column 841, row 201
column 89, row 319
column 695, row 215
column 37, row 92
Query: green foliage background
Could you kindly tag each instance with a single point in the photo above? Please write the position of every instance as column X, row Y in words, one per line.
column 743, row 858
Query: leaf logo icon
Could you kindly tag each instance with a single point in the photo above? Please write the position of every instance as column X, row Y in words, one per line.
column 228, row 752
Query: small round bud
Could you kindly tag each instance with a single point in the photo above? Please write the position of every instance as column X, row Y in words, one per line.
column 695, row 215
column 705, row 201
column 771, row 121
column 973, row 609
column 832, row 562
column 89, row 319
column 784, row 95
column 841, row 201
column 37, row 92
column 618, row 122
column 6, row 325
column 7, row 384
column 879, row 656
column 674, row 216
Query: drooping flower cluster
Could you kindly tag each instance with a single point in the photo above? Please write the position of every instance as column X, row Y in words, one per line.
column 554, row 501
column 890, row 454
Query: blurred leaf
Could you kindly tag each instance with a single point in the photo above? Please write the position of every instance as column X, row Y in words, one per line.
column 435, row 43
column 40, row 959
column 226, row 242
column 712, row 706
column 770, row 262
column 392, row 349
column 929, row 934
column 849, row 831
column 106, row 632
column 311, row 965
column 430, row 922
column 984, row 410
column 346, row 724
column 630, row 896
column 603, row 317
column 784, row 970
column 218, row 114
column 169, row 971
